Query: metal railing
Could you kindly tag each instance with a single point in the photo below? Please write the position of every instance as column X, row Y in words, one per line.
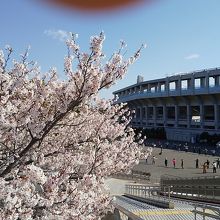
column 142, row 190
column 148, row 194
column 206, row 211
column 152, row 195
column 201, row 189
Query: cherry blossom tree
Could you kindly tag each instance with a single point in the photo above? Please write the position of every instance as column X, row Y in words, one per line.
column 58, row 140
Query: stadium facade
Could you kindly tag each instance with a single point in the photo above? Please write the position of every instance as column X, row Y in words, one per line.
column 185, row 104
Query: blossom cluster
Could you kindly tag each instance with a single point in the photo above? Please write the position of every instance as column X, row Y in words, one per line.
column 58, row 140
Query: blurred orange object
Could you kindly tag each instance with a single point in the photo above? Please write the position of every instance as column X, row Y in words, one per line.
column 95, row 5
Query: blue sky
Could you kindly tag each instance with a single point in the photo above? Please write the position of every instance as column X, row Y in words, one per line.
column 182, row 35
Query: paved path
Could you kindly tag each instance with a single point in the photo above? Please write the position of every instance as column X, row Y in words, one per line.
column 189, row 170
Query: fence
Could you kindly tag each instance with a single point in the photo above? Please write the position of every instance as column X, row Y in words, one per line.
column 202, row 189
column 148, row 194
column 206, row 211
column 197, row 189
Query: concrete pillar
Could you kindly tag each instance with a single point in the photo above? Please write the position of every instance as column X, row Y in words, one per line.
column 216, row 80
column 189, row 116
column 176, row 116
column 148, row 87
column 135, row 89
column 154, row 115
column 188, row 84
column 159, row 87
column 145, row 110
column 207, row 82
column 142, row 113
column 167, row 86
column 201, row 113
column 141, row 88
column 141, row 116
column 164, row 115
column 178, row 85
column 146, row 115
column 216, row 112
column 139, row 113
column 192, row 83
column 156, row 87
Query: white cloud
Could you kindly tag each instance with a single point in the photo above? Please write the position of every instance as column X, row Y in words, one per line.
column 57, row 34
column 192, row 56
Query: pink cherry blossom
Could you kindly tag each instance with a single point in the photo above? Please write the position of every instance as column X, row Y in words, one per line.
column 58, row 140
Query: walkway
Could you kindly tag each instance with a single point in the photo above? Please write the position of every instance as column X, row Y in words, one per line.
column 182, row 210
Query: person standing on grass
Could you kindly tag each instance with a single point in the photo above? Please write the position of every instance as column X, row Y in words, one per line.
column 182, row 164
column 174, row 163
